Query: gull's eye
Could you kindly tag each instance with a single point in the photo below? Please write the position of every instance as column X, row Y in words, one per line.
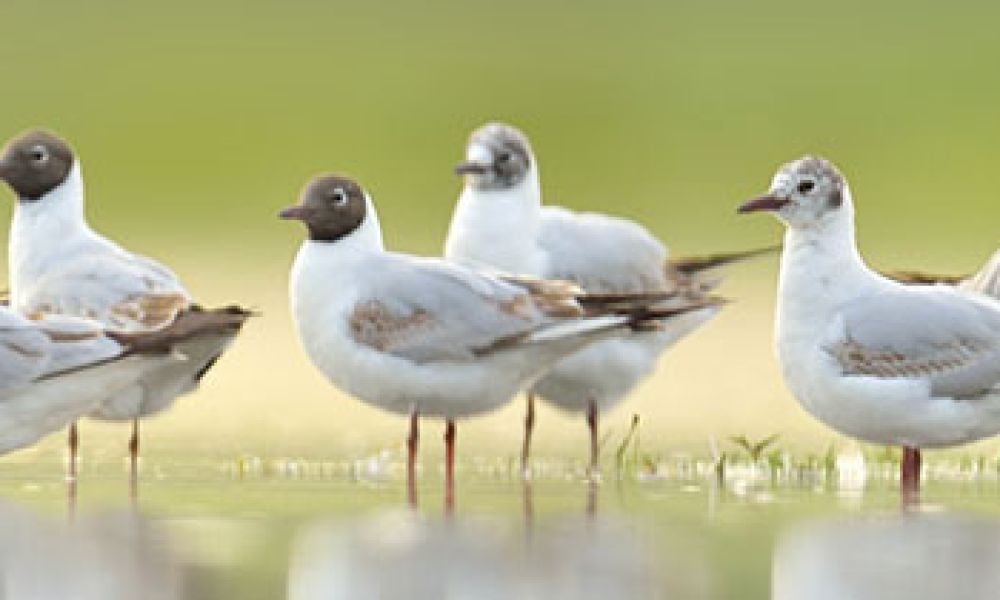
column 806, row 186
column 39, row 154
column 339, row 197
column 504, row 157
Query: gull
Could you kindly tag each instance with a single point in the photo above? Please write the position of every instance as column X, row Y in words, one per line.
column 877, row 360
column 500, row 221
column 58, row 264
column 55, row 368
column 426, row 337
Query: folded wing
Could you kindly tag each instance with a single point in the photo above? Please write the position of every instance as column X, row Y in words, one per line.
column 939, row 334
column 429, row 310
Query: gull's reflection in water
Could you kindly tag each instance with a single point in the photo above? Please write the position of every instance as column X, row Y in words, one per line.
column 913, row 556
column 401, row 555
column 93, row 558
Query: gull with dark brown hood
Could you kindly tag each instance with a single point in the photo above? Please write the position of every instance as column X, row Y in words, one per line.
column 59, row 265
column 423, row 337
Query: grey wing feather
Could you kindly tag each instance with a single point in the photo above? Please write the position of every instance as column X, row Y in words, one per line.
column 120, row 290
column 601, row 253
column 76, row 343
column 24, row 351
column 430, row 310
column 945, row 336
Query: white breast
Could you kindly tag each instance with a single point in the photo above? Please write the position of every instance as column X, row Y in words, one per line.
column 497, row 228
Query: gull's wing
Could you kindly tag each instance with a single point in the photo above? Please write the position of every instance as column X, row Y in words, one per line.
column 601, row 253
column 35, row 349
column 120, row 290
column 76, row 343
column 939, row 334
column 24, row 351
column 430, row 310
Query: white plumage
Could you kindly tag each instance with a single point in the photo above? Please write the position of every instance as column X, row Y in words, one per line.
column 59, row 265
column 464, row 341
column 56, row 369
column 506, row 227
column 884, row 362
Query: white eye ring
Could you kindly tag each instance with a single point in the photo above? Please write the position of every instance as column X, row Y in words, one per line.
column 40, row 154
column 339, row 197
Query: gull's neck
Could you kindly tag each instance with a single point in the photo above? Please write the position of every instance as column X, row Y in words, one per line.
column 499, row 228
column 322, row 262
column 821, row 269
column 325, row 277
column 43, row 230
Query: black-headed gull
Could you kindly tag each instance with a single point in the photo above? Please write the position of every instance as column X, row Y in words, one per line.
column 500, row 221
column 58, row 264
column 884, row 362
column 426, row 337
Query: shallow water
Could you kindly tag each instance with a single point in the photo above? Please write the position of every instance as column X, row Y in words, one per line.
column 342, row 530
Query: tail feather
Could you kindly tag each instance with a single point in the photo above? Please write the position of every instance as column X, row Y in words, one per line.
column 645, row 311
column 921, row 278
column 987, row 280
column 693, row 265
column 192, row 323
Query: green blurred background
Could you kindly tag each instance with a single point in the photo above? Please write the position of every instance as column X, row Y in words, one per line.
column 197, row 121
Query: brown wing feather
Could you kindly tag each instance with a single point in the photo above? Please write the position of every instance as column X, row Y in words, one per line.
column 919, row 278
column 189, row 323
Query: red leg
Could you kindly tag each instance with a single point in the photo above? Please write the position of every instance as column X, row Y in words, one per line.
column 74, row 447
column 529, row 426
column 411, row 459
column 133, row 460
column 449, row 466
column 909, row 476
column 595, row 458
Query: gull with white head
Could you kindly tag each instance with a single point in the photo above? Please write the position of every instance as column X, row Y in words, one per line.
column 886, row 363
column 59, row 265
column 500, row 221
column 426, row 337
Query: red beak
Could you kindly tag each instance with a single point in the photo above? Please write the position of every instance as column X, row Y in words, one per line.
column 766, row 202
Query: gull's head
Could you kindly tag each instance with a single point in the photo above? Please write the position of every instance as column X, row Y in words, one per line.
column 330, row 206
column 804, row 193
column 35, row 163
column 497, row 157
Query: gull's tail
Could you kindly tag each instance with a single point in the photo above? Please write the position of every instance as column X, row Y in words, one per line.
column 987, row 280
column 921, row 278
column 193, row 323
column 693, row 265
column 698, row 274
column 605, row 313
